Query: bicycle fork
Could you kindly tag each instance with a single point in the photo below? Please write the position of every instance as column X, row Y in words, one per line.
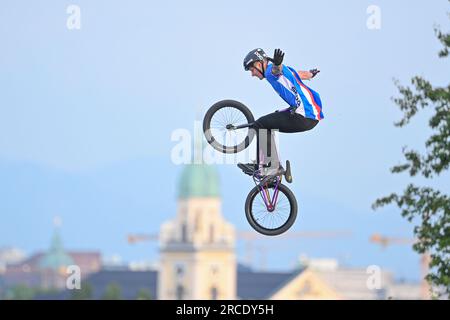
column 265, row 195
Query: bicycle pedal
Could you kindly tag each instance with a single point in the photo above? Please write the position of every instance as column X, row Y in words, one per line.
column 245, row 169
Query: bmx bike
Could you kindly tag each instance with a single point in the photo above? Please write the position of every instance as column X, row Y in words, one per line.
column 270, row 207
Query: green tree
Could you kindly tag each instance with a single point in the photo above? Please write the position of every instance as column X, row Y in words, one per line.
column 144, row 294
column 112, row 292
column 20, row 292
column 84, row 293
column 427, row 207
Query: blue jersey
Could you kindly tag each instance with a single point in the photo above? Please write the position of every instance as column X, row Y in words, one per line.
column 291, row 88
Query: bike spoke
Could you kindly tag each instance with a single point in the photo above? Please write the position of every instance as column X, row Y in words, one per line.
column 222, row 118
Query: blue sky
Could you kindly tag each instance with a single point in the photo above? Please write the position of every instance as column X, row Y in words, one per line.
column 86, row 116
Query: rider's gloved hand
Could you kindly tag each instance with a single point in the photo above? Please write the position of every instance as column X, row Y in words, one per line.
column 278, row 57
column 314, row 72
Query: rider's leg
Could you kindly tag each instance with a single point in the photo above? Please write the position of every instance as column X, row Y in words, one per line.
column 269, row 161
column 284, row 122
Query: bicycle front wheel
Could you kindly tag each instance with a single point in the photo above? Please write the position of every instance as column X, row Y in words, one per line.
column 219, row 126
column 271, row 223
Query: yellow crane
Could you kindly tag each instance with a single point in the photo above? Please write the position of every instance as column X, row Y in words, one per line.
column 140, row 237
column 250, row 237
column 425, row 259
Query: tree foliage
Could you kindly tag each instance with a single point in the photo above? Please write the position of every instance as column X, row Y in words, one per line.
column 112, row 292
column 84, row 293
column 429, row 206
column 144, row 294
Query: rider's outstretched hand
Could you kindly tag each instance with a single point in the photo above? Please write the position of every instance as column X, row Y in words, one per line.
column 278, row 57
column 314, row 72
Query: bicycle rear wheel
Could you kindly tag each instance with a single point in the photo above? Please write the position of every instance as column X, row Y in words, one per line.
column 275, row 222
column 219, row 123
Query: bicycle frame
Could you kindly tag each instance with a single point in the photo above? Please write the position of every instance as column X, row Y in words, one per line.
column 270, row 203
column 263, row 191
column 251, row 126
column 242, row 126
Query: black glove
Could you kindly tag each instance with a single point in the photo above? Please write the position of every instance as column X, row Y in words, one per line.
column 314, row 72
column 278, row 56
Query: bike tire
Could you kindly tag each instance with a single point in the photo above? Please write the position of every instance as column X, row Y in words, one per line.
column 268, row 231
column 214, row 141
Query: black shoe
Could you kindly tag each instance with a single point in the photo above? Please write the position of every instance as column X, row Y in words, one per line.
column 248, row 168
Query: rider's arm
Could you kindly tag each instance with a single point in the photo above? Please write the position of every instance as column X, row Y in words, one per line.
column 277, row 60
column 277, row 70
column 305, row 75
column 308, row 75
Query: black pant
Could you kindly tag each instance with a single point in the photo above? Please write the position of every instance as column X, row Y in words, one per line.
column 286, row 122
column 283, row 121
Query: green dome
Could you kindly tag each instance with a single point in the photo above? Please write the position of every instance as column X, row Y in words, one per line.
column 199, row 180
column 56, row 257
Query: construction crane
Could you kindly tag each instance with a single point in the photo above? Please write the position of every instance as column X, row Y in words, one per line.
column 135, row 238
column 250, row 237
column 424, row 260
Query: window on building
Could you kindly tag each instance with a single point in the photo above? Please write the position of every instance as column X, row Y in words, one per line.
column 214, row 269
column 197, row 220
column 184, row 232
column 180, row 292
column 179, row 270
column 211, row 233
column 214, row 293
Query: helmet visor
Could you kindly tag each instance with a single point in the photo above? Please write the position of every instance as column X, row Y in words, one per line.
column 249, row 65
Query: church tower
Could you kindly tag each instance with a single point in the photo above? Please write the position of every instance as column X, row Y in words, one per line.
column 197, row 258
column 54, row 262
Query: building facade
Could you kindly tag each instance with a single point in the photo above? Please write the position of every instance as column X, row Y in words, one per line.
column 197, row 253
